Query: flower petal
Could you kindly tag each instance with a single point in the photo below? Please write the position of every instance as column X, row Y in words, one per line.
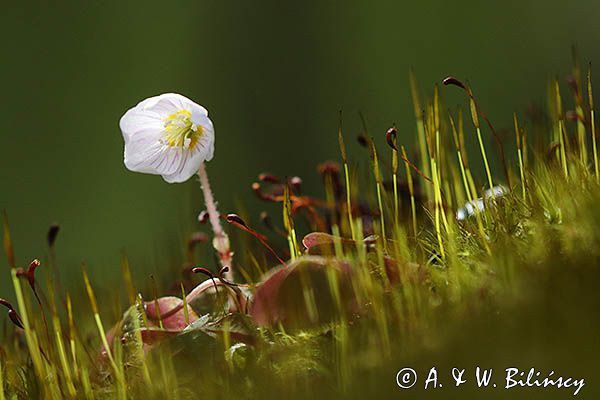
column 169, row 103
column 207, row 141
column 187, row 169
column 135, row 120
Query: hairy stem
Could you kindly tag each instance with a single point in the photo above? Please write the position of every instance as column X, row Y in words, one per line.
column 221, row 240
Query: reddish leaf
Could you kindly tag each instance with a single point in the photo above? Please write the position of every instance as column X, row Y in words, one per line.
column 264, row 308
column 174, row 322
column 151, row 336
column 314, row 239
column 281, row 297
column 321, row 243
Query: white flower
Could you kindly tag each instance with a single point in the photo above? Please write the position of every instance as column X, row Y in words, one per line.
column 167, row 135
column 479, row 204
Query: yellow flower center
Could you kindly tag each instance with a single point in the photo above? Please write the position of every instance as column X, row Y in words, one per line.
column 180, row 131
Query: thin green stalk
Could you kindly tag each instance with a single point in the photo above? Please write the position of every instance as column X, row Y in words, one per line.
column 288, row 222
column 30, row 337
column 485, row 161
column 63, row 357
column 464, row 177
column 596, row 169
column 581, row 137
column 1, row 382
column 337, row 244
column 72, row 336
column 583, row 154
column 475, row 195
column 87, row 385
column 439, row 155
column 395, row 182
column 421, row 135
column 563, row 147
column 561, row 130
column 378, row 180
column 129, row 287
column 348, row 201
column 139, row 341
column 58, row 336
column 522, row 174
column 461, row 139
column 186, row 312
column 461, row 162
column 593, row 124
column 347, row 178
column 441, row 205
column 156, row 305
column 379, row 185
column 471, row 182
column 360, row 245
column 342, row 354
column 411, row 190
column 227, row 337
column 102, row 332
column 475, row 118
column 51, row 384
column 470, row 190
column 520, row 157
column 432, row 145
column 436, row 122
column 467, row 180
column 382, row 218
column 436, row 191
column 331, row 204
column 451, row 184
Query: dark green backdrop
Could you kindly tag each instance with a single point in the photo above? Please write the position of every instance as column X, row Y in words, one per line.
column 273, row 75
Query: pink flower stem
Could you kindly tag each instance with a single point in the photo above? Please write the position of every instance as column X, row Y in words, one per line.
column 221, row 240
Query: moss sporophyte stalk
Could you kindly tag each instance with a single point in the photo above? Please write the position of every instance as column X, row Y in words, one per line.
column 410, row 251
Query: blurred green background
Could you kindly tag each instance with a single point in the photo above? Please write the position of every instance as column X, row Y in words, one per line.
column 273, row 75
